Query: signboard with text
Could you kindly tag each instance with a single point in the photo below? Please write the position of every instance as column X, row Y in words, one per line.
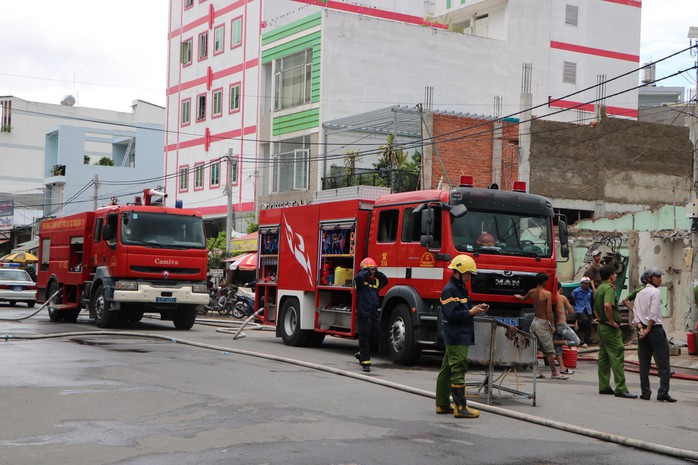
column 7, row 214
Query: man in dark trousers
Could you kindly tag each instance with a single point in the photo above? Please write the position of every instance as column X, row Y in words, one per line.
column 652, row 340
column 459, row 333
column 367, row 283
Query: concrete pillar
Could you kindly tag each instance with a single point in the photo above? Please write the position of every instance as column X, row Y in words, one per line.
column 497, row 154
column 525, row 138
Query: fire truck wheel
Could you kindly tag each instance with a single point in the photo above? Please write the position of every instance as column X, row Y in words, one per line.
column 103, row 317
column 402, row 347
column 13, row 303
column 71, row 316
column 185, row 316
column 291, row 332
column 31, row 303
column 316, row 339
column 54, row 315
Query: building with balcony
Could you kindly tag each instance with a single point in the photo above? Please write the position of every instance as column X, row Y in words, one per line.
column 252, row 83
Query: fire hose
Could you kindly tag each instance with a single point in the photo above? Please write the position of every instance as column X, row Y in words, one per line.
column 588, row 432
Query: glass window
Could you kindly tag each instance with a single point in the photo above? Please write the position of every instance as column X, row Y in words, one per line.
column 186, row 111
column 411, row 226
column 201, row 107
column 502, row 233
column 199, row 176
column 111, row 229
column 234, row 179
column 387, row 225
column 188, row 3
column 218, row 39
column 203, row 45
column 186, row 52
column 217, row 102
column 183, row 178
column 236, row 32
column 290, row 164
column 98, row 230
column 292, row 80
column 234, row 98
column 162, row 230
column 215, row 173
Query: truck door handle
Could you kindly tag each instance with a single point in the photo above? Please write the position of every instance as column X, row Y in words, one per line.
column 408, row 273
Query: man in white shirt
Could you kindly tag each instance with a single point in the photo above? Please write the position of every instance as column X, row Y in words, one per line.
column 652, row 340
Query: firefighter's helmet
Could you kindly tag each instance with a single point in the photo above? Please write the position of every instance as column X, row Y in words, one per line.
column 368, row 262
column 486, row 240
column 463, row 264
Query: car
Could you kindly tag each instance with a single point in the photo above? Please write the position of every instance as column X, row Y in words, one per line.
column 17, row 286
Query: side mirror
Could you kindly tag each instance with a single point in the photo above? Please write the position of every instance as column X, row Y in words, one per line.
column 211, row 229
column 564, row 239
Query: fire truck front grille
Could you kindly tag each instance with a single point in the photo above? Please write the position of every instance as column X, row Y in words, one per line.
column 502, row 283
column 160, row 270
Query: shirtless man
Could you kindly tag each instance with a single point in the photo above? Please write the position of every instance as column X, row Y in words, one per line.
column 564, row 335
column 543, row 325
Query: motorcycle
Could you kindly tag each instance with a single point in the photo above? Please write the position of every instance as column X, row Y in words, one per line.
column 219, row 300
column 243, row 301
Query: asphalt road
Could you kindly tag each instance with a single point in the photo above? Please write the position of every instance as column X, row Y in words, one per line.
column 111, row 399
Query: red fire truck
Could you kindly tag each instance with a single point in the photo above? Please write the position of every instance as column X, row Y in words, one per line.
column 308, row 256
column 122, row 261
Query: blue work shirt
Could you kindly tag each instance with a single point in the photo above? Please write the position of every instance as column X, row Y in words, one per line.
column 582, row 300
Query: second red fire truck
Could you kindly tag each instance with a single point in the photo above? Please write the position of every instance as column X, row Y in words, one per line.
column 122, row 261
column 308, row 256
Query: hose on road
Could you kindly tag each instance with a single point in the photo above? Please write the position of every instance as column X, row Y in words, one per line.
column 600, row 435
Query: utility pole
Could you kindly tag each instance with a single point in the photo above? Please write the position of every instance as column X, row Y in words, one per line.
column 229, row 192
column 693, row 134
column 95, row 196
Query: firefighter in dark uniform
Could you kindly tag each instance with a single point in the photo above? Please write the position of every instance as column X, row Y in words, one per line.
column 367, row 283
column 459, row 333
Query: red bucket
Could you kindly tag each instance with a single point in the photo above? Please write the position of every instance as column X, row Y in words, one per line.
column 569, row 356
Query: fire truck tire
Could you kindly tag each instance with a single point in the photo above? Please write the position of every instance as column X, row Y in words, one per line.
column 185, row 316
column 402, row 347
column 54, row 315
column 31, row 303
column 13, row 303
column 291, row 332
column 71, row 316
column 103, row 317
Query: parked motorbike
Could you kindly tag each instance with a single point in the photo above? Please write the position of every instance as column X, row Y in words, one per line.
column 220, row 300
column 243, row 301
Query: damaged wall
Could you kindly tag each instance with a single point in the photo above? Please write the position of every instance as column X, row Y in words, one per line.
column 614, row 166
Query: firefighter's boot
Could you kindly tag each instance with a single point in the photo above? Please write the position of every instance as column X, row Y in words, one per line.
column 462, row 410
column 444, row 409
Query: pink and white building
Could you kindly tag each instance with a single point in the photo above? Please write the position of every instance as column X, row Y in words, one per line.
column 260, row 77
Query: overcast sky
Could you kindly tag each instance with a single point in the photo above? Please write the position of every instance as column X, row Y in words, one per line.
column 108, row 54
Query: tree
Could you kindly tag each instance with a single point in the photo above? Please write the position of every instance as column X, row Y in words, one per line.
column 106, row 161
column 86, row 159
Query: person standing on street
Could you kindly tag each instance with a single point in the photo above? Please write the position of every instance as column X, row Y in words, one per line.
column 652, row 342
column 368, row 282
column 458, row 333
column 581, row 297
column 611, row 348
column 594, row 270
column 563, row 335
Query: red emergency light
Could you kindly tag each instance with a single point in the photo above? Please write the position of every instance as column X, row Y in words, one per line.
column 467, row 181
column 519, row 186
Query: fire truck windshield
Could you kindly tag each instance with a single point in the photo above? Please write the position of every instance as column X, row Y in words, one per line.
column 162, row 230
column 502, row 233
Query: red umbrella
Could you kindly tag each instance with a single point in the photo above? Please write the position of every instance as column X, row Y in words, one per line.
column 244, row 262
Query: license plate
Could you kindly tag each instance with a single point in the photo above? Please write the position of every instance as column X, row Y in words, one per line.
column 508, row 321
column 17, row 288
column 166, row 300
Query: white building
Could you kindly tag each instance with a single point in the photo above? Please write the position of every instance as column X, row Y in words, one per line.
column 260, row 78
column 55, row 149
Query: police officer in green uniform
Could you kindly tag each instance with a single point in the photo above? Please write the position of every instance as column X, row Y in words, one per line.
column 611, row 348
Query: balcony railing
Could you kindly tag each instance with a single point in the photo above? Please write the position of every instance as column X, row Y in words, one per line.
column 396, row 180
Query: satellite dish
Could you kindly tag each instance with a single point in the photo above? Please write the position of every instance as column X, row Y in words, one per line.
column 68, row 101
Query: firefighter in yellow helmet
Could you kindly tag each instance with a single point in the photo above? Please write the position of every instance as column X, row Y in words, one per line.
column 368, row 282
column 458, row 333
